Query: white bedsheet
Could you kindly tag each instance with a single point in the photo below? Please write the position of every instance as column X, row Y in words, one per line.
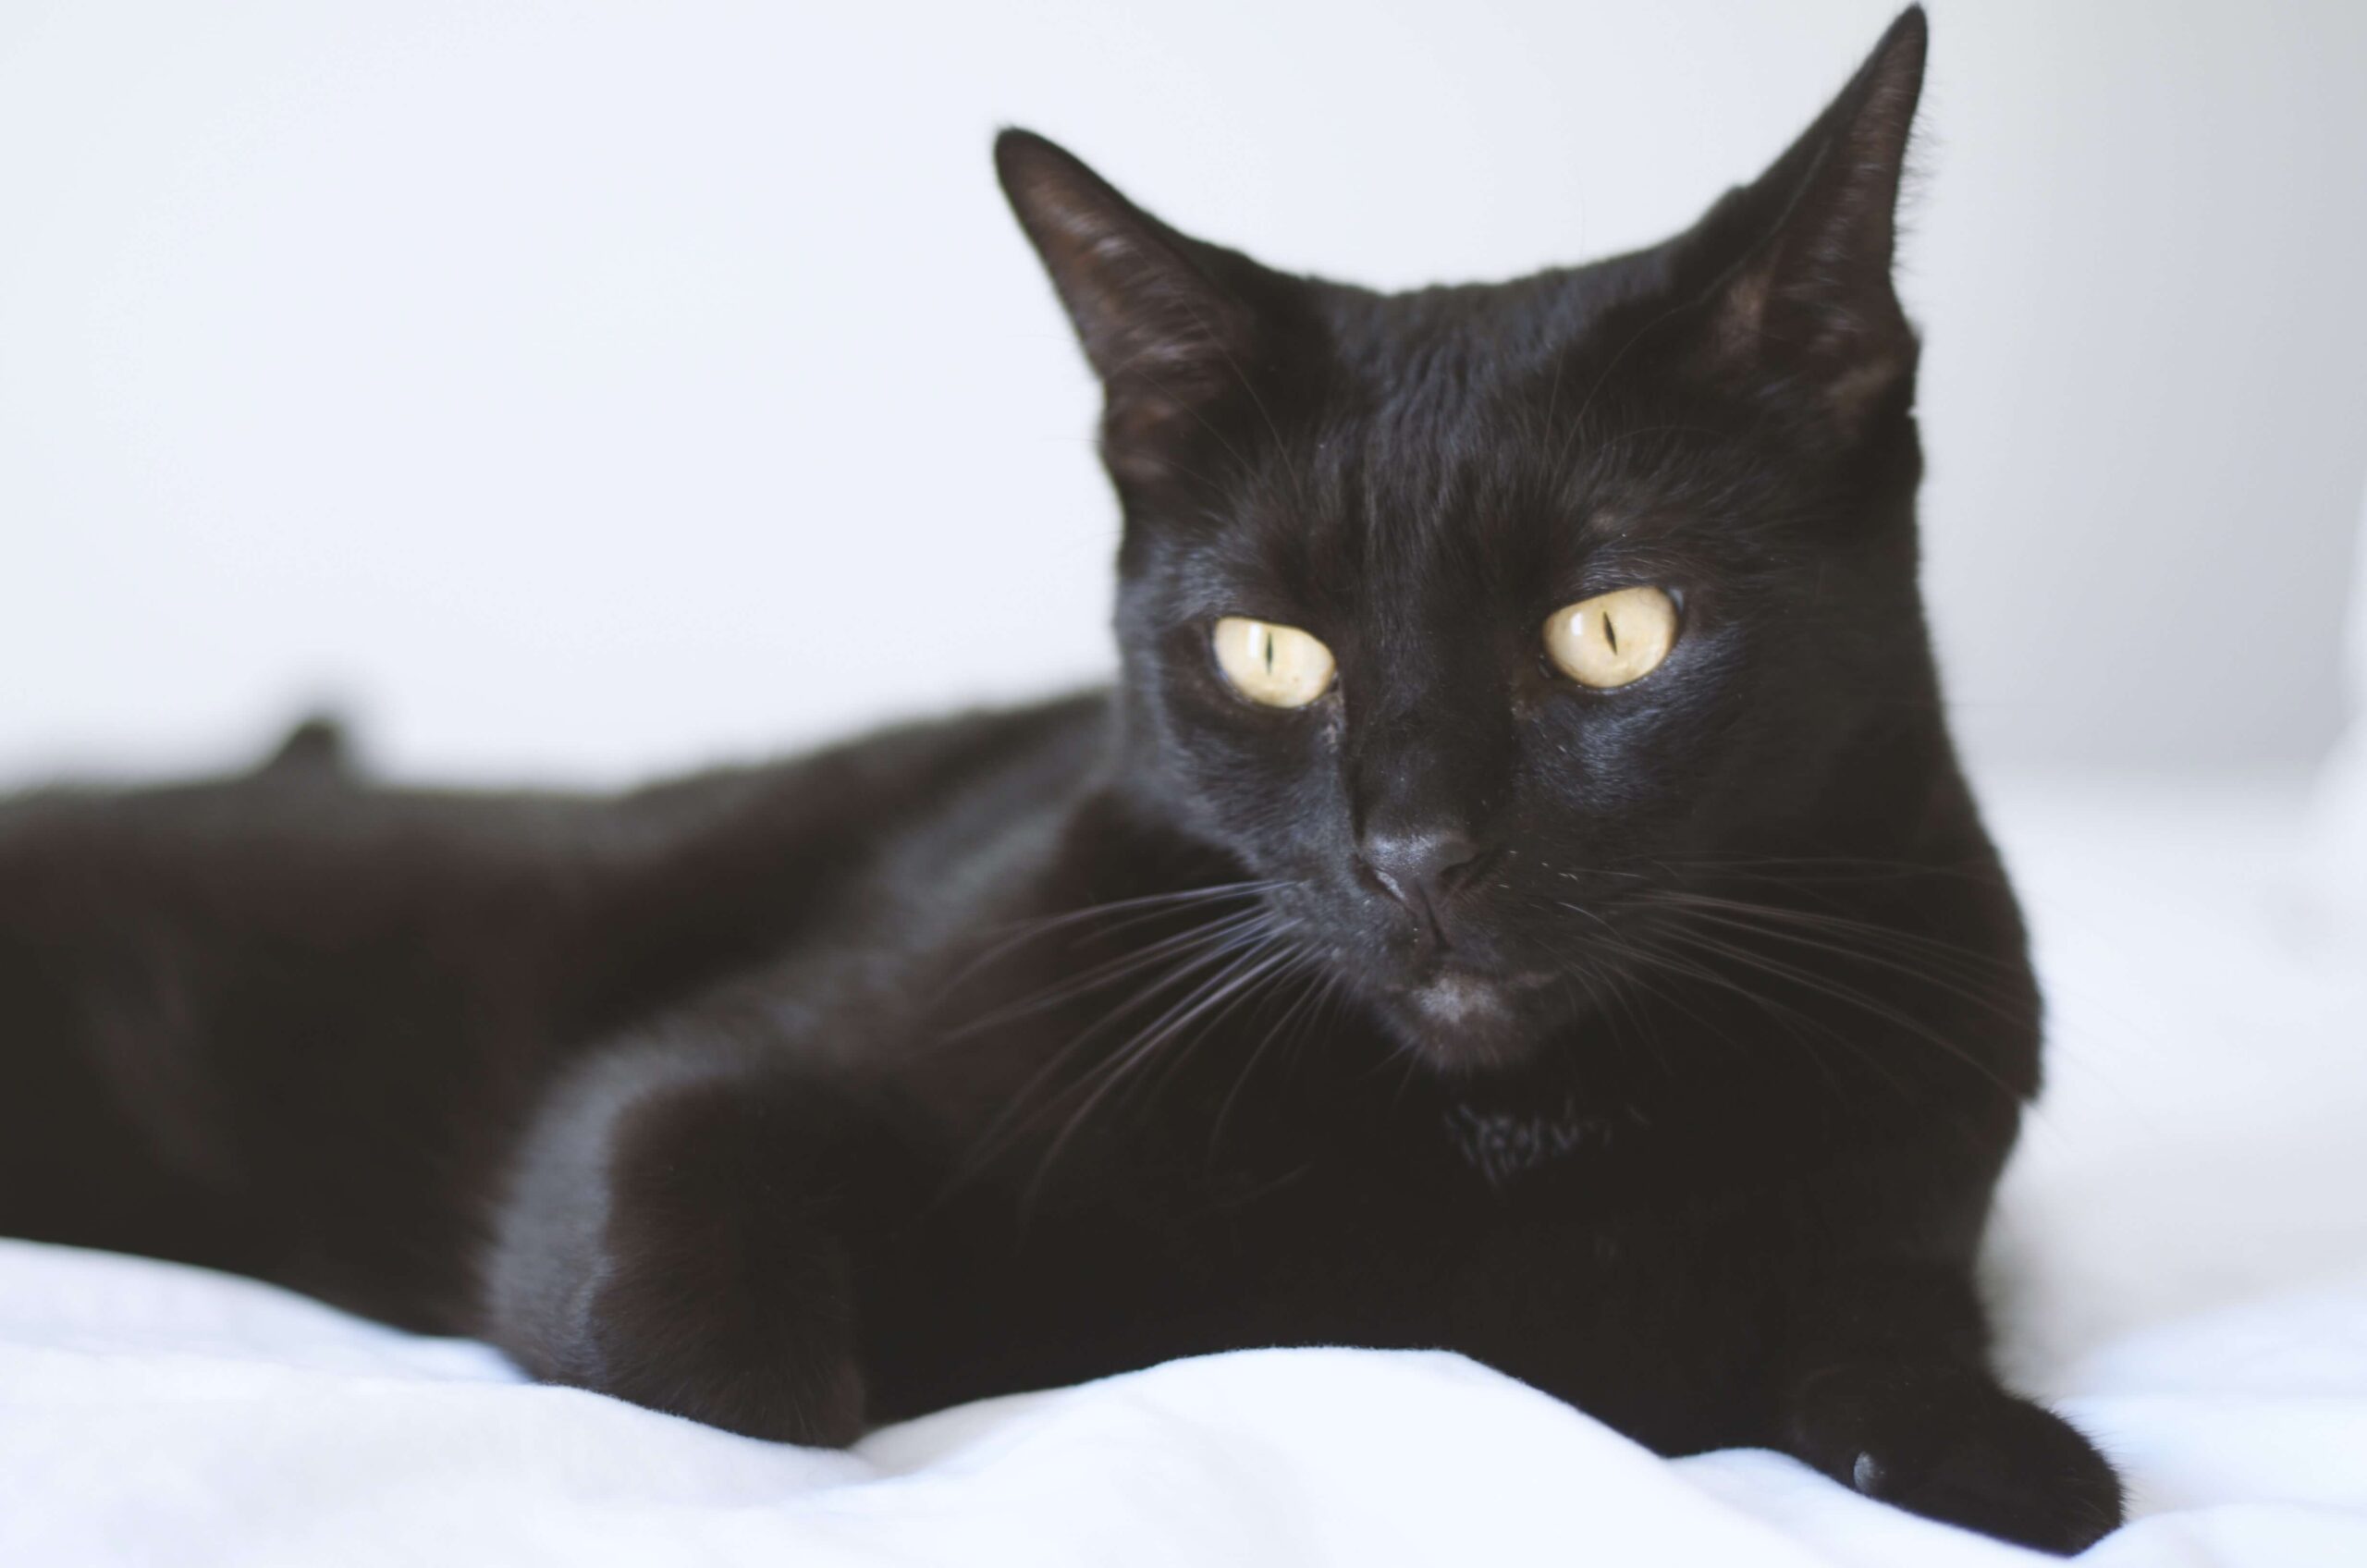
column 2181, row 1262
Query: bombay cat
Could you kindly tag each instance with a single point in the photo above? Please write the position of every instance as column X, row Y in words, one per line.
column 1517, row 897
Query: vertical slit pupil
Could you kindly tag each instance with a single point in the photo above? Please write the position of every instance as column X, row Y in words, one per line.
column 1268, row 637
column 1610, row 632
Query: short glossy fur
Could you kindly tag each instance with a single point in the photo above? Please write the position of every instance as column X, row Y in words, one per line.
column 1658, row 1046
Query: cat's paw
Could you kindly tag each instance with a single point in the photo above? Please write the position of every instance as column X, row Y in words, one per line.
column 718, row 1296
column 1954, row 1446
column 795, row 1380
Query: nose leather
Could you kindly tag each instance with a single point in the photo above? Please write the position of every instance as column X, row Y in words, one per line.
column 1418, row 866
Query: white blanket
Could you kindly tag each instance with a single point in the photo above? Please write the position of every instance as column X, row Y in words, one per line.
column 2181, row 1263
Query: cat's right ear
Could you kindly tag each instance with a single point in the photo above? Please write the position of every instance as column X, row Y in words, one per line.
column 1168, row 322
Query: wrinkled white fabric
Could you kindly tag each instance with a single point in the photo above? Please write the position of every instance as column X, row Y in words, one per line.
column 2181, row 1262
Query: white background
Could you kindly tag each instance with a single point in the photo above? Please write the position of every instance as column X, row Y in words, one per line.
column 579, row 391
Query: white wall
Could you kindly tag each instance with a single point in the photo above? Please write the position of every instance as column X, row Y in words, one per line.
column 579, row 390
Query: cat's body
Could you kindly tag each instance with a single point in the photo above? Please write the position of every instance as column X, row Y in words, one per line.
column 1659, row 1046
column 307, row 1021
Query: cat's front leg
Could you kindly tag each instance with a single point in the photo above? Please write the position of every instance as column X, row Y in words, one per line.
column 1884, row 1384
column 672, row 1234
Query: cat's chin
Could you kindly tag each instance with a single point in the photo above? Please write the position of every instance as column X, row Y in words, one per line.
column 1465, row 1021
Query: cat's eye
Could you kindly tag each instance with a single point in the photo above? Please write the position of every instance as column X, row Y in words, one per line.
column 1280, row 666
column 1613, row 639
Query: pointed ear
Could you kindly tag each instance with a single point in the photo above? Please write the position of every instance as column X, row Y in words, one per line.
column 1169, row 323
column 1802, row 294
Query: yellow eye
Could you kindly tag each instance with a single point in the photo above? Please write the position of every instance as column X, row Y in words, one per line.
column 1279, row 666
column 1614, row 638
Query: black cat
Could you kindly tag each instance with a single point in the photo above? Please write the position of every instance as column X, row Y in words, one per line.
column 1519, row 897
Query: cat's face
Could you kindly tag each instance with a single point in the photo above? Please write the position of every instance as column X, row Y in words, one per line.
column 1477, row 620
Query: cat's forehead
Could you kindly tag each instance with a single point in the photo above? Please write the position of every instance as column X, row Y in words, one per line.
column 1459, row 417
column 1434, row 352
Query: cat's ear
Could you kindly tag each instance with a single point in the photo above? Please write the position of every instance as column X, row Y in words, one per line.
column 1168, row 322
column 1799, row 262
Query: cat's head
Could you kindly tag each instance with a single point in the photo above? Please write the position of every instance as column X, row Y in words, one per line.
column 1475, row 617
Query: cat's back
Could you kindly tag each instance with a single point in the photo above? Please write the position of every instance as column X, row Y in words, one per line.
column 306, row 848
column 287, row 1021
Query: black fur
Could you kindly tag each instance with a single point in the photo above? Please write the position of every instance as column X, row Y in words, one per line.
column 1658, row 1046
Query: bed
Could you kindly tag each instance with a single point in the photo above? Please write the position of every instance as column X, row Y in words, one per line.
column 2180, row 1261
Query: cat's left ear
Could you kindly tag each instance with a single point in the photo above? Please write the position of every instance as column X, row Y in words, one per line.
column 1799, row 291
column 1175, row 326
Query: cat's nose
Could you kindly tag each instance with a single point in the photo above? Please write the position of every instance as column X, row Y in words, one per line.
column 1419, row 866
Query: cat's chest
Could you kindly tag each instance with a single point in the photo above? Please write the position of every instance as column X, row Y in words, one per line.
column 1151, row 1245
column 1317, row 1212
column 1550, row 1142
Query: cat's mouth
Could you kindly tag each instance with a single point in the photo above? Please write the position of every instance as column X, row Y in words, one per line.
column 1465, row 1016
column 1452, row 993
column 1466, row 997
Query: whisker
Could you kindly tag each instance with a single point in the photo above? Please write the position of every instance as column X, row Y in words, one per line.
column 1156, row 903
column 1642, row 953
column 1847, row 996
column 1896, row 937
column 1790, row 1019
column 1302, row 964
column 997, row 1134
column 1216, row 994
column 1989, row 1003
column 1107, row 973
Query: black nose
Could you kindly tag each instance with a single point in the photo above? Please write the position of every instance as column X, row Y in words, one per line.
column 1419, row 866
